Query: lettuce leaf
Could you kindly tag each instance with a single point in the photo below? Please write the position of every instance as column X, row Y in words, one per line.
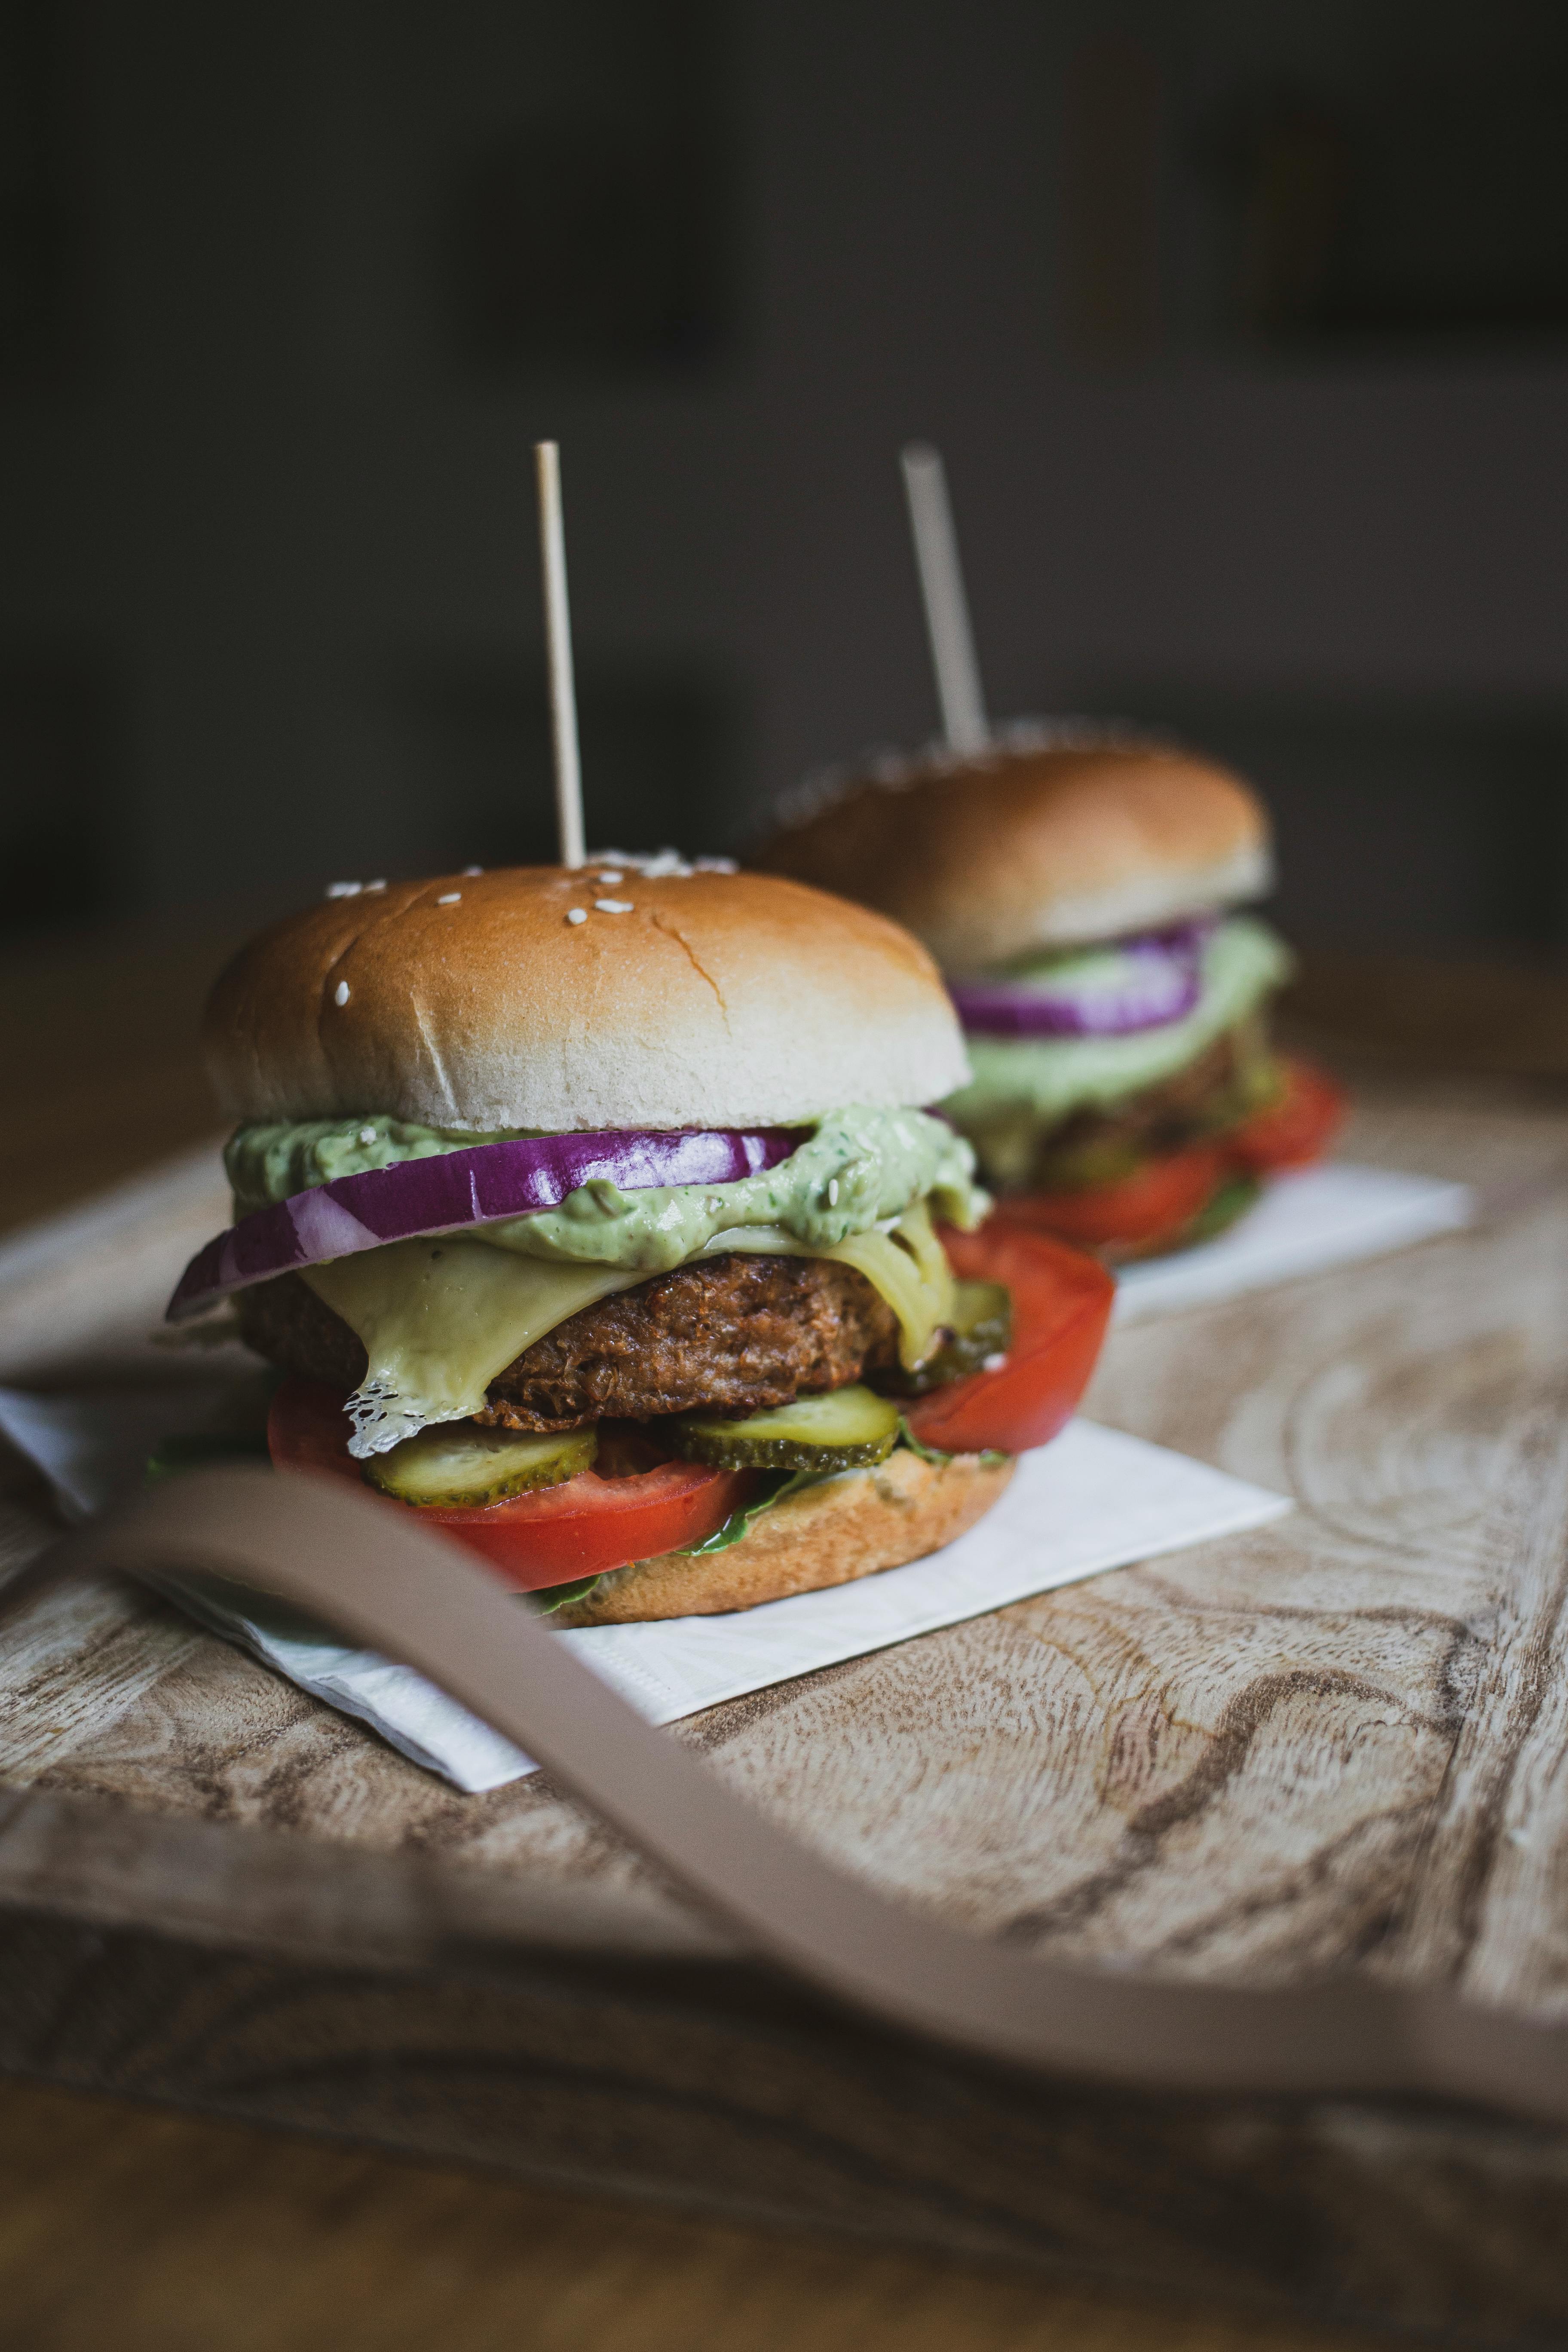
column 551, row 1597
column 782, row 1483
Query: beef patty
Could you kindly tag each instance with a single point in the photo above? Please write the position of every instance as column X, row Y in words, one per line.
column 1016, row 1151
column 736, row 1334
column 1163, row 1117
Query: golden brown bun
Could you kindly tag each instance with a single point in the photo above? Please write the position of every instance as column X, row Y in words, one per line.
column 1026, row 848
column 719, row 1000
column 847, row 1528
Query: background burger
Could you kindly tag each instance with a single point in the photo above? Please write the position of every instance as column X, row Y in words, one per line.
column 592, row 1214
column 1080, row 891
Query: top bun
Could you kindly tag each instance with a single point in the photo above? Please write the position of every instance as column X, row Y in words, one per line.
column 1031, row 845
column 685, row 998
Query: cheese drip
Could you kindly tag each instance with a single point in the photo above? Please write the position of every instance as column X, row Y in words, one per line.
column 440, row 1319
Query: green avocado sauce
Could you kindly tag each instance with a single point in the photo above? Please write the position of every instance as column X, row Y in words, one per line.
column 859, row 1168
column 1048, row 1077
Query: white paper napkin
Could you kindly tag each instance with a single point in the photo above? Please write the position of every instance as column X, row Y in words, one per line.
column 1303, row 1225
column 1094, row 1499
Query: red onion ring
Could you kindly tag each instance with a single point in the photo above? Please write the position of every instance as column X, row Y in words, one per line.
column 453, row 1189
column 1162, row 985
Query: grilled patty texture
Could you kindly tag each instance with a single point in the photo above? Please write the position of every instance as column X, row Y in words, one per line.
column 734, row 1334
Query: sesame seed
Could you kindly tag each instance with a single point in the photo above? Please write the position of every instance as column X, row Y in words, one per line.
column 833, row 1192
column 576, row 914
column 614, row 906
column 449, row 899
column 340, row 993
column 375, row 885
column 610, row 877
column 367, row 1134
column 993, row 1363
column 473, row 869
column 344, row 889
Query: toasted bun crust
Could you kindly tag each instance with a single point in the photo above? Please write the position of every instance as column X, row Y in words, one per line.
column 715, row 999
column 851, row 1527
column 1032, row 847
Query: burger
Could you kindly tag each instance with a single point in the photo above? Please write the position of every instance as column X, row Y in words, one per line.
column 1082, row 889
column 593, row 1214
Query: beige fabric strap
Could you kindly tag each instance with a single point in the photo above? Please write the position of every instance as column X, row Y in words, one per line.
column 405, row 1591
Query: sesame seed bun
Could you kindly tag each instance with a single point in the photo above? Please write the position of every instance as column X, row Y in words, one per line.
column 850, row 1526
column 1031, row 846
column 539, row 997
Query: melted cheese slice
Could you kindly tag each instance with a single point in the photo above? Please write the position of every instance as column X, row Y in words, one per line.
column 440, row 1319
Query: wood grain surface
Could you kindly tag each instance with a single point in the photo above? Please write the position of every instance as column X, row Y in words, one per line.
column 1337, row 1740
column 160, row 2232
column 1326, row 1739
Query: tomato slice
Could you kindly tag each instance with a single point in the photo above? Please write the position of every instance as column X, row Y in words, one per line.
column 582, row 1528
column 1153, row 1207
column 1149, row 1206
column 1295, row 1130
column 1062, row 1303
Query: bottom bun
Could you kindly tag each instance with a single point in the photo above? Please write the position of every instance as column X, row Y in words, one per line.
column 850, row 1526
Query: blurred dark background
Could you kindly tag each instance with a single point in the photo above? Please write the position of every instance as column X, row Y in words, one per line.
column 1244, row 330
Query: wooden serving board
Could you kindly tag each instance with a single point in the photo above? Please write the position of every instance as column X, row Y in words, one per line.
column 1342, row 1739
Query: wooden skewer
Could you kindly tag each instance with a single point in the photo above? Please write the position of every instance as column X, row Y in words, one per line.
column 558, row 641
column 958, row 688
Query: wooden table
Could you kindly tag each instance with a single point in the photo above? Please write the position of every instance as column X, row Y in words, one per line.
column 155, row 2231
column 1421, row 1830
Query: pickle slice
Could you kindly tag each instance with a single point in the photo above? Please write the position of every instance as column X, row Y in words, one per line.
column 846, row 1430
column 460, row 1465
column 982, row 1327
